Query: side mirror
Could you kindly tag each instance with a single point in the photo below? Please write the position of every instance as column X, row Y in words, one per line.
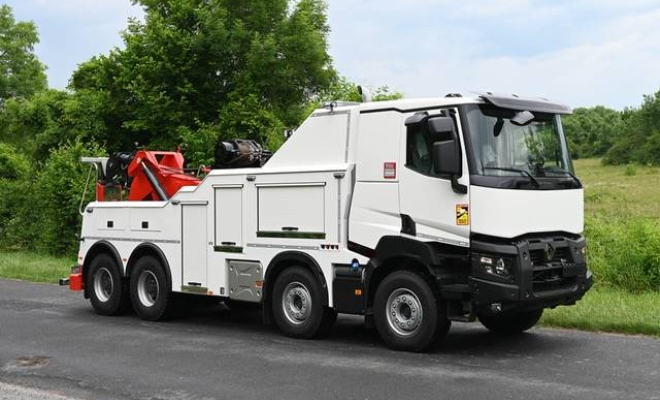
column 446, row 158
column 440, row 125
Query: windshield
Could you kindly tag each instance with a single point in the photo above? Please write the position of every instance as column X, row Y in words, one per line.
column 535, row 152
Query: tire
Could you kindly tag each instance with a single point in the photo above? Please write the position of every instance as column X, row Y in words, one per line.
column 298, row 303
column 510, row 323
column 408, row 314
column 151, row 292
column 107, row 291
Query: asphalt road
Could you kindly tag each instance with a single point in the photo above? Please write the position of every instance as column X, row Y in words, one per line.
column 54, row 347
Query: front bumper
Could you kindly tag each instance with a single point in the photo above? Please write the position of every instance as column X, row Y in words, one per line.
column 544, row 273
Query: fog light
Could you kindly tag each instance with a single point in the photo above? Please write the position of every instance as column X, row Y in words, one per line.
column 487, row 264
column 496, row 307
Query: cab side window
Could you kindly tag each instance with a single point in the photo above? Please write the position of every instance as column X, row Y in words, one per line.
column 419, row 148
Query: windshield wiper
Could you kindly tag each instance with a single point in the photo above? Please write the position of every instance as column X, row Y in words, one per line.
column 520, row 171
column 565, row 171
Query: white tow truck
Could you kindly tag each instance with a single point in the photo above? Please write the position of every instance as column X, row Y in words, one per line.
column 413, row 213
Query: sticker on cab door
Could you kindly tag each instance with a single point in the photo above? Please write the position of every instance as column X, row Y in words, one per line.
column 462, row 214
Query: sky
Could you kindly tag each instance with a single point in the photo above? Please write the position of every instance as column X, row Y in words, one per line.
column 580, row 52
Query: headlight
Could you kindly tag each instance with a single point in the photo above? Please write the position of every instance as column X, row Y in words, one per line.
column 498, row 266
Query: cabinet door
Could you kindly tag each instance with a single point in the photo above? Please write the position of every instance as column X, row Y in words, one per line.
column 229, row 216
column 194, row 248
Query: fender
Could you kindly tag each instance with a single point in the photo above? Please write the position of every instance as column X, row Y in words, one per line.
column 389, row 247
column 102, row 246
column 303, row 258
column 289, row 257
column 149, row 248
column 389, row 252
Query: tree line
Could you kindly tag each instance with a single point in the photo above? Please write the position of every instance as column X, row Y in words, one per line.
column 191, row 73
column 619, row 137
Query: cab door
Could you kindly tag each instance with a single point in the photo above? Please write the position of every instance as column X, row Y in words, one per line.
column 432, row 207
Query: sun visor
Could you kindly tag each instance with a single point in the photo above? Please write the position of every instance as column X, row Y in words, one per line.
column 515, row 102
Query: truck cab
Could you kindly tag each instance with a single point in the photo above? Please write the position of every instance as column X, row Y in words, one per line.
column 413, row 213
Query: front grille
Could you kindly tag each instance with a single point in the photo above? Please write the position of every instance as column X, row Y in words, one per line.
column 548, row 261
column 550, row 277
column 564, row 283
column 547, row 274
column 539, row 256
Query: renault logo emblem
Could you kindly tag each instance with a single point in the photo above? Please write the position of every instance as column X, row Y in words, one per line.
column 549, row 252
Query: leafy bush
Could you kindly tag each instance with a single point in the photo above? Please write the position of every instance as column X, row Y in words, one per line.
column 58, row 189
column 14, row 170
column 650, row 152
column 48, row 218
column 624, row 253
column 620, row 153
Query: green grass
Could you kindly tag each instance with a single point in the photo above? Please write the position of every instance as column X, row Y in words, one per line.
column 622, row 224
column 610, row 310
column 617, row 192
column 34, row 267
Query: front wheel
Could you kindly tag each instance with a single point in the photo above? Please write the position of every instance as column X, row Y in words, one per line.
column 150, row 290
column 407, row 313
column 510, row 323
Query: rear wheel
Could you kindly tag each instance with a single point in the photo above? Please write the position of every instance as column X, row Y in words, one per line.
column 107, row 293
column 298, row 303
column 510, row 323
column 407, row 313
column 150, row 289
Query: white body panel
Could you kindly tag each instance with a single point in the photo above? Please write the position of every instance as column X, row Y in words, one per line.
column 193, row 240
column 125, row 237
column 325, row 141
column 314, row 200
column 374, row 212
column 512, row 213
column 377, row 144
column 298, row 207
column 228, row 215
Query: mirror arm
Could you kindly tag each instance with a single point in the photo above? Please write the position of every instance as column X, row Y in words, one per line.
column 457, row 187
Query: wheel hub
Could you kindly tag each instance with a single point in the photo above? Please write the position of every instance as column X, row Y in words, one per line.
column 296, row 303
column 148, row 288
column 103, row 284
column 404, row 312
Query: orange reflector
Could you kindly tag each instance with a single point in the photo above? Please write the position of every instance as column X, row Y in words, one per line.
column 358, row 292
column 259, row 284
column 210, row 292
column 75, row 282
